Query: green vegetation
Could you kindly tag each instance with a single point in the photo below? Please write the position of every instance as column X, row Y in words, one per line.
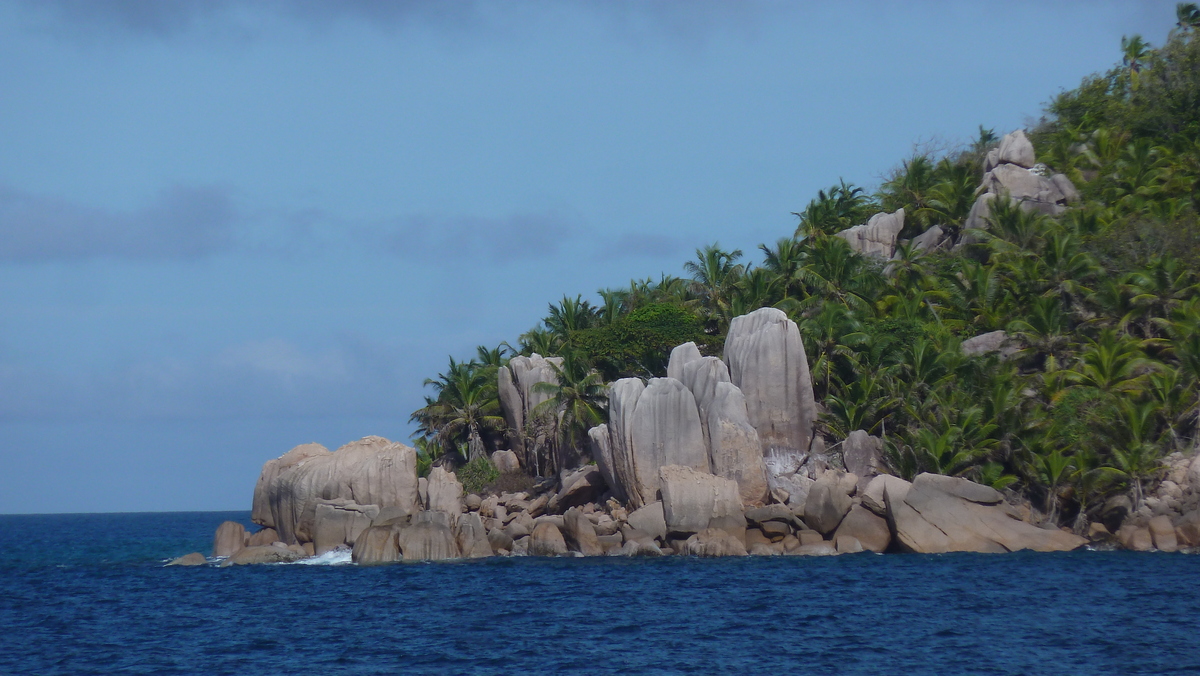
column 1102, row 303
column 477, row 475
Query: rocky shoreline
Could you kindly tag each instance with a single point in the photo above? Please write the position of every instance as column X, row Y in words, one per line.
column 722, row 457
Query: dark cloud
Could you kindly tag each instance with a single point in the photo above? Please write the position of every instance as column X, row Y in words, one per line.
column 641, row 245
column 516, row 237
column 165, row 18
column 182, row 223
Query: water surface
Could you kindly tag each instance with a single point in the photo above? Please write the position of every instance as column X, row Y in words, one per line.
column 87, row 594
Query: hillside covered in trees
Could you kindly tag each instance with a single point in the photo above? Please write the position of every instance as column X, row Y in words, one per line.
column 1096, row 377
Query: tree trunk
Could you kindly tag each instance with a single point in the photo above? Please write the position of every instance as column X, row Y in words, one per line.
column 474, row 445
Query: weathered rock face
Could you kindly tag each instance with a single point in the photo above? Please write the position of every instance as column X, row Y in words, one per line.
column 371, row 471
column 701, row 377
column 930, row 239
column 767, row 363
column 265, row 536
column 229, row 538
column 580, row 534
column 517, row 398
column 445, row 493
column 265, row 554
column 735, row 451
column 547, row 540
column 1014, row 148
column 472, row 537
column 664, row 430
column 429, row 538
column 193, row 559
column 623, row 397
column 1163, row 534
column 261, row 513
column 870, row 530
column 579, row 487
column 693, row 501
column 872, row 495
column 600, row 445
column 506, row 462
column 714, row 542
column 681, row 355
column 1010, row 170
column 949, row 514
column 829, row 501
column 987, row 343
column 376, row 545
column 338, row 522
column 862, row 454
column 650, row 519
column 877, row 237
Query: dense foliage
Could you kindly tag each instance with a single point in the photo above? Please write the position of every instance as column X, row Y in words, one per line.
column 1101, row 305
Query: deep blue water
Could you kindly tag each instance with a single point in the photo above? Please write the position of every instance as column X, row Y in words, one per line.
column 87, row 594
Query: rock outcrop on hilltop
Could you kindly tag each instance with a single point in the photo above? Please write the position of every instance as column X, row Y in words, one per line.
column 1010, row 171
column 877, row 237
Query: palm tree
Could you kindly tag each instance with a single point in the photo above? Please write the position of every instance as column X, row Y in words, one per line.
column 570, row 315
column 466, row 405
column 784, row 263
column 1134, row 453
column 576, row 404
column 1134, row 52
column 1112, row 365
column 715, row 273
column 843, row 206
column 1188, row 15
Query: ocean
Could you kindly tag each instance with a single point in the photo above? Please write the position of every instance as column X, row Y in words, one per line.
column 88, row 594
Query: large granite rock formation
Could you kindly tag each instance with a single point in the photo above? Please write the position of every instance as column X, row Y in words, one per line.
column 651, row 426
column 767, row 363
column 371, row 471
column 623, row 397
column 695, row 500
column 517, row 396
column 229, row 538
column 734, row 448
column 338, row 522
column 877, row 237
column 681, row 355
column 948, row 514
column 600, row 444
column 701, row 376
column 261, row 513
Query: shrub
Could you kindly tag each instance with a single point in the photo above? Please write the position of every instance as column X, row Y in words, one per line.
column 477, row 474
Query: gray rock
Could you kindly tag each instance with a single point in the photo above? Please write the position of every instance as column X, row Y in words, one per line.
column 934, row 517
column 265, row 536
column 229, row 538
column 261, row 513
column 599, row 442
column 869, row 529
column 472, row 538
column 193, row 559
column 767, row 363
column 828, row 501
column 445, row 493
column 734, row 447
column 977, row 218
column 872, row 495
column 428, row 539
column 1163, row 534
column 822, row 548
column 338, row 522
column 580, row 487
column 694, row 501
column 370, row 471
column 701, row 377
column 681, row 355
column 376, row 545
column 266, row 554
column 781, row 513
column 1067, row 188
column 862, row 454
column 1015, row 148
column 513, row 409
column 1022, row 185
column 877, row 237
column 623, row 397
column 506, row 462
column 987, row 343
column 547, row 540
column 650, row 519
column 847, row 544
column 929, row 240
column 712, row 542
column 498, row 539
column 579, row 533
column 665, row 430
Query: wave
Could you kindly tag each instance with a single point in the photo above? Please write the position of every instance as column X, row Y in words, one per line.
column 335, row 557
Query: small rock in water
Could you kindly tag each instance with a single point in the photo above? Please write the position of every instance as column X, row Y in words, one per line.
column 193, row 559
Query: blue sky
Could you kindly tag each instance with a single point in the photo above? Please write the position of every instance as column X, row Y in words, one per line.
column 228, row 227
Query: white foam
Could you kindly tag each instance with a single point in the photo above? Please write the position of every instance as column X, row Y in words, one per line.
column 335, row 557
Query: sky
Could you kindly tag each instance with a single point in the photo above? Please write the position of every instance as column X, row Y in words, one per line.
column 228, row 227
